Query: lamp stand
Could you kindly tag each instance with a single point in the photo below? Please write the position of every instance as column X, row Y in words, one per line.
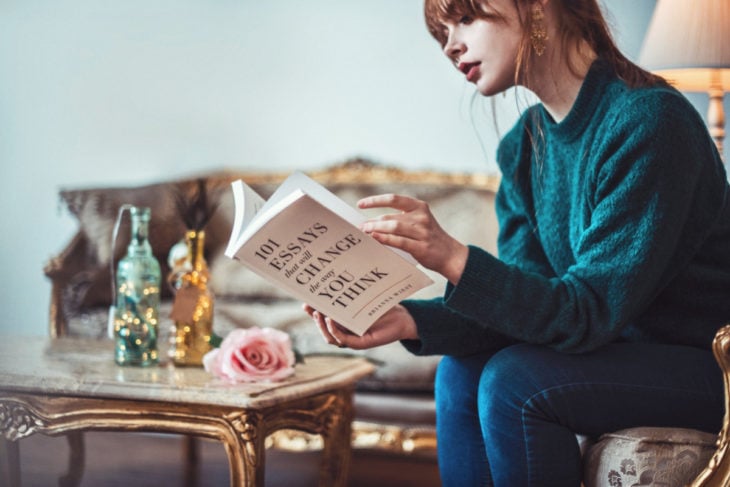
column 716, row 117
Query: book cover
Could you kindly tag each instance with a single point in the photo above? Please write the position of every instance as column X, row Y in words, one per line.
column 306, row 240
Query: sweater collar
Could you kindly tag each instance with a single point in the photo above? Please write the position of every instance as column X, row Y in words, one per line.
column 591, row 91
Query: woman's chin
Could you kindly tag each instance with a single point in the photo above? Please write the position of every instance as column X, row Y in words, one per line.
column 487, row 88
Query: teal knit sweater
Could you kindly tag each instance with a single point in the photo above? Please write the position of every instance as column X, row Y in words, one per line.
column 618, row 230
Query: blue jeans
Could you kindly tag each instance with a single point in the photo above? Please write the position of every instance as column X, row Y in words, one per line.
column 510, row 418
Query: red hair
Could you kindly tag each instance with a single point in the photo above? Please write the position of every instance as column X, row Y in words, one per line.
column 579, row 21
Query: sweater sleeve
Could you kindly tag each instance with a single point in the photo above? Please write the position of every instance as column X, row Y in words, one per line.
column 442, row 330
column 517, row 242
column 653, row 195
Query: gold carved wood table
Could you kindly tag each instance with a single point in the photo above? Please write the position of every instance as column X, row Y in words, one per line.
column 66, row 385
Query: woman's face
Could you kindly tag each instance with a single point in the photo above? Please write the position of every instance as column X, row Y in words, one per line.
column 485, row 49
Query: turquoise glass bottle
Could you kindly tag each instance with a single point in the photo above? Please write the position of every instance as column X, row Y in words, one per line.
column 137, row 297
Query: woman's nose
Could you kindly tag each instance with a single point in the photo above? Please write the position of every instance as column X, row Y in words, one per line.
column 453, row 48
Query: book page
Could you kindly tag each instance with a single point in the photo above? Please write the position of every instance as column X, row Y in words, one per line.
column 246, row 204
column 261, row 218
column 251, row 210
column 323, row 260
column 299, row 180
column 329, row 200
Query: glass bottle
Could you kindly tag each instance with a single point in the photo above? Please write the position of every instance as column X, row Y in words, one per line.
column 138, row 283
column 193, row 307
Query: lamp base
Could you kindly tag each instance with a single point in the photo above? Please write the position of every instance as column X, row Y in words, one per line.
column 716, row 118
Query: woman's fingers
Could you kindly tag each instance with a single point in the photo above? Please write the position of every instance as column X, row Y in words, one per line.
column 396, row 324
column 414, row 222
column 414, row 226
column 390, row 200
column 319, row 320
column 399, row 242
column 331, row 331
column 340, row 335
column 415, row 230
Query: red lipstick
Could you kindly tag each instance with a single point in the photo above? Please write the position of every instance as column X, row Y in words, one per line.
column 471, row 70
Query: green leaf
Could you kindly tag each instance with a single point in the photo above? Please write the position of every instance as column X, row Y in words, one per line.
column 299, row 358
column 215, row 340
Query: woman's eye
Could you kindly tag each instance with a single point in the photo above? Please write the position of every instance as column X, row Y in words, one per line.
column 466, row 19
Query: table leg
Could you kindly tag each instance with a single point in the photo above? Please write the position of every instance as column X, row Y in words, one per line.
column 191, row 460
column 76, row 461
column 337, row 450
column 9, row 462
column 247, row 449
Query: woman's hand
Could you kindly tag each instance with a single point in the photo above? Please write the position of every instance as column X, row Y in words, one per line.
column 396, row 324
column 416, row 231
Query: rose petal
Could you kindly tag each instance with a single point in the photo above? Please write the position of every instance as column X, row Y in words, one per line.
column 210, row 361
column 253, row 354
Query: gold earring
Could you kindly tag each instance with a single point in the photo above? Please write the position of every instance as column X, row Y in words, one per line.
column 538, row 34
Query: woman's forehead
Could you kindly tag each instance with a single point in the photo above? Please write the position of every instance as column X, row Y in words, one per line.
column 441, row 11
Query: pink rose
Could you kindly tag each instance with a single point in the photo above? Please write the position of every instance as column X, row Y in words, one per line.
column 252, row 355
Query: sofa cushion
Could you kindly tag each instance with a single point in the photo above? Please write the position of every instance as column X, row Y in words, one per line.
column 411, row 408
column 655, row 457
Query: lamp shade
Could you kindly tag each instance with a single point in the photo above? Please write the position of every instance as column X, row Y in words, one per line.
column 688, row 43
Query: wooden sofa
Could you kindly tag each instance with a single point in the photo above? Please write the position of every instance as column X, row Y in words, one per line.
column 394, row 409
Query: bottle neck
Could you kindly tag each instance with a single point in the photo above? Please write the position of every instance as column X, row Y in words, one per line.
column 196, row 244
column 139, row 243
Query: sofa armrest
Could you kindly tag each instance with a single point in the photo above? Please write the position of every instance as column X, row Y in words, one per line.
column 61, row 270
column 717, row 472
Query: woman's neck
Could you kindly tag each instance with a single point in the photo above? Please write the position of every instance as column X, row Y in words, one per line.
column 555, row 83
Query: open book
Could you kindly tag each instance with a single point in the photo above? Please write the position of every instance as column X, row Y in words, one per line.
column 306, row 240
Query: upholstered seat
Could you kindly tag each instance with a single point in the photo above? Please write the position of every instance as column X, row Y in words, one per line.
column 647, row 457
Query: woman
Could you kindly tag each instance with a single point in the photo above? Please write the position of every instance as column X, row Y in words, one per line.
column 614, row 254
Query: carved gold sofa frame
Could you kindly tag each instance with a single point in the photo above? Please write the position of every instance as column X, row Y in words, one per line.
column 717, row 472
